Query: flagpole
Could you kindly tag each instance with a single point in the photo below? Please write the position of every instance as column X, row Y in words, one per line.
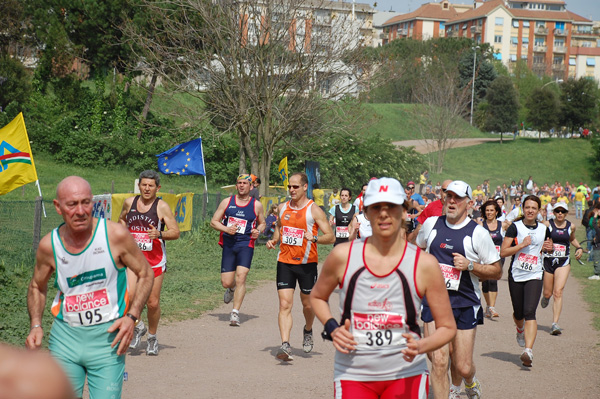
column 204, row 169
column 37, row 183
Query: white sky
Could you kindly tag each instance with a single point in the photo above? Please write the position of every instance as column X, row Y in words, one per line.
column 585, row 8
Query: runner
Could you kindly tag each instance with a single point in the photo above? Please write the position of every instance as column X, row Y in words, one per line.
column 318, row 196
column 525, row 240
column 466, row 253
column 342, row 218
column 491, row 211
column 240, row 219
column 299, row 222
column 358, row 202
column 382, row 360
column 146, row 216
column 558, row 265
column 92, row 327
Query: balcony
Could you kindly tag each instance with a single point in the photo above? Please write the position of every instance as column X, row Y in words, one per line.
column 560, row 49
column 540, row 49
column 402, row 32
column 540, row 30
column 581, row 33
column 558, row 67
column 451, row 33
column 561, row 32
column 476, row 29
column 539, row 67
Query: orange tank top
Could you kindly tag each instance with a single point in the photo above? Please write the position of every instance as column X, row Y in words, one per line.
column 294, row 248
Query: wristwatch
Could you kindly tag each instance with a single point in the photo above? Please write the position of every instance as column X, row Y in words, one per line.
column 160, row 234
column 470, row 267
column 315, row 239
column 132, row 317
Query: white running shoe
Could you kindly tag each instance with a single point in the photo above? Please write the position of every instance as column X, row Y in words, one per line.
column 594, row 277
column 474, row 392
column 152, row 348
column 228, row 296
column 556, row 330
column 454, row 392
column 307, row 342
column 493, row 312
column 521, row 338
column 234, row 319
column 527, row 357
column 487, row 313
column 138, row 332
column 285, row 352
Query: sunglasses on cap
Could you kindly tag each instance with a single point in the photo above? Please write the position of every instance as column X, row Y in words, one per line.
column 295, row 187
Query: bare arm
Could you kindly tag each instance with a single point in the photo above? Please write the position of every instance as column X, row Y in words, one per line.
column 164, row 213
column 125, row 210
column 331, row 275
column 506, row 250
column 260, row 218
column 38, row 290
column 127, row 254
column 576, row 244
column 215, row 222
column 328, row 237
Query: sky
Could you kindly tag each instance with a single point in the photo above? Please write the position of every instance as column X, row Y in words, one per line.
column 585, row 8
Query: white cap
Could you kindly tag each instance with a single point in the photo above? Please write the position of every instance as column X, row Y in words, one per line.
column 384, row 189
column 460, row 188
column 562, row 205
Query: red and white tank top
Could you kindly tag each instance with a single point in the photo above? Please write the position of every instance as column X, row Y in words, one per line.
column 139, row 223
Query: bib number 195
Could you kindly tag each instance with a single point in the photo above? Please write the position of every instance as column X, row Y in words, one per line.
column 90, row 317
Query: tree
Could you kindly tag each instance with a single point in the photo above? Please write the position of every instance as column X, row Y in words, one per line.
column 12, row 22
column 503, row 109
column 543, row 110
column 265, row 69
column 485, row 73
column 579, row 102
column 15, row 81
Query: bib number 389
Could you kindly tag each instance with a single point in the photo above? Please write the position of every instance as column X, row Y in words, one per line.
column 375, row 331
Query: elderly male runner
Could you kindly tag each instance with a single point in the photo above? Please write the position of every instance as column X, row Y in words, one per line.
column 240, row 219
column 146, row 217
column 93, row 309
column 466, row 253
column 298, row 226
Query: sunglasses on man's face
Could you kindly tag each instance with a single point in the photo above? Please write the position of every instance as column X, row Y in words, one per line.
column 295, row 187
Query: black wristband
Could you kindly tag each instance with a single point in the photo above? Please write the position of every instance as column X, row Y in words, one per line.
column 330, row 326
column 132, row 317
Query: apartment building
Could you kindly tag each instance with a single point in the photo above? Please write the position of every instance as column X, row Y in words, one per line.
column 552, row 40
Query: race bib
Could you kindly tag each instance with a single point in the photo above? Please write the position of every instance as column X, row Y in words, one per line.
column 143, row 241
column 342, row 232
column 239, row 224
column 498, row 249
column 527, row 262
column 559, row 250
column 87, row 309
column 292, row 236
column 451, row 276
column 378, row 330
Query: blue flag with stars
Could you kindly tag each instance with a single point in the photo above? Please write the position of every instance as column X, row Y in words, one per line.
column 183, row 159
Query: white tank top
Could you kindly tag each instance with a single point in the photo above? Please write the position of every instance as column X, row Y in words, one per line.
column 527, row 263
column 91, row 289
column 381, row 309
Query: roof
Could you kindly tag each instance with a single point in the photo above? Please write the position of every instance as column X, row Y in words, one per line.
column 481, row 11
column 538, row 1
column 433, row 11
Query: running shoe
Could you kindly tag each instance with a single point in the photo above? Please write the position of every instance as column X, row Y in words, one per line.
column 545, row 301
column 487, row 313
column 454, row 392
column 594, row 277
column 138, row 332
column 474, row 391
column 307, row 342
column 556, row 330
column 234, row 319
column 152, row 348
column 527, row 357
column 285, row 352
column 521, row 338
column 228, row 296
column 493, row 312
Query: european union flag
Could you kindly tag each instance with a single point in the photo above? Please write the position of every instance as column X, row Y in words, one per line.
column 183, row 159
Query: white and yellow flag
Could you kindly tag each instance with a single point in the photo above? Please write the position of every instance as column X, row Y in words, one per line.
column 283, row 172
column 16, row 160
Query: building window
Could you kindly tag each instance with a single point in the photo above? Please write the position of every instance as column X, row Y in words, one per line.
column 559, row 25
column 540, row 24
column 498, row 39
column 572, row 61
column 442, row 26
column 524, row 56
column 559, row 42
column 498, row 56
column 538, row 59
column 514, row 40
column 513, row 57
column 586, row 44
column 464, row 26
column 499, row 20
column 538, row 41
column 590, row 62
column 515, row 23
column 525, row 24
column 558, row 60
column 525, row 40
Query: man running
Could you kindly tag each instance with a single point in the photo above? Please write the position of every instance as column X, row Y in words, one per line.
column 94, row 313
column 466, row 253
column 146, row 216
column 240, row 219
column 299, row 222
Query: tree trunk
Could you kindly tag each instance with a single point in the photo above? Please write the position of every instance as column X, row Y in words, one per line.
column 242, row 165
column 148, row 101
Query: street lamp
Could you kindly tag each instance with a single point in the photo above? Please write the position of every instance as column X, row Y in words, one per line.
column 557, row 81
column 473, row 85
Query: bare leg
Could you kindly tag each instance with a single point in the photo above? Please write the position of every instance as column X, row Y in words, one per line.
column 440, row 361
column 548, row 285
column 560, row 280
column 241, row 273
column 153, row 305
column 493, row 295
column 286, row 300
column 462, row 354
column 309, row 314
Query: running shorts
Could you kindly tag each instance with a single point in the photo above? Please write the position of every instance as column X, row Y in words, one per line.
column 466, row 318
column 551, row 264
column 415, row 387
column 237, row 255
column 158, row 270
column 86, row 350
column 305, row 275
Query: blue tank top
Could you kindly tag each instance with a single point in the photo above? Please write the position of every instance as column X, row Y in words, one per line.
column 242, row 216
column 446, row 242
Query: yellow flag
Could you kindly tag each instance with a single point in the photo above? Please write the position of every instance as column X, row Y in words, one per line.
column 283, row 171
column 16, row 160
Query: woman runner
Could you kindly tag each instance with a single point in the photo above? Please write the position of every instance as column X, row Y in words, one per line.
column 491, row 211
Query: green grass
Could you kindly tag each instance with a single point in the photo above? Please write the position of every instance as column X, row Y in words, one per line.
column 553, row 159
column 399, row 122
column 590, row 291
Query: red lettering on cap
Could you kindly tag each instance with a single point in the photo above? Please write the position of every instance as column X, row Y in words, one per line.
column 383, row 188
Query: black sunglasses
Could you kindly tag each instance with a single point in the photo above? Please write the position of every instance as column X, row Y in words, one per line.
column 294, row 187
column 561, row 211
column 411, row 187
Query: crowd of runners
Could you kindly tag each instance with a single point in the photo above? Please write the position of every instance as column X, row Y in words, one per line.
column 411, row 264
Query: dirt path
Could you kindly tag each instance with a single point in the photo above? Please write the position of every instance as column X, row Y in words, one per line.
column 426, row 146
column 206, row 358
